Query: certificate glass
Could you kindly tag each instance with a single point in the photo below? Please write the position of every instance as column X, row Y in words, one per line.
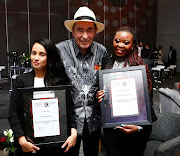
column 46, row 114
column 45, row 117
column 126, row 100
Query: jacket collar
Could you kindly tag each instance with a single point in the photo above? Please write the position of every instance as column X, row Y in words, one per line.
column 30, row 81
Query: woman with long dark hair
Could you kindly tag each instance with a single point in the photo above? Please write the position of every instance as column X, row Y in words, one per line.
column 47, row 70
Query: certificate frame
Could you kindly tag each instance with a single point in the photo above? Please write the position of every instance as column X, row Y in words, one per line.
column 136, row 73
column 62, row 93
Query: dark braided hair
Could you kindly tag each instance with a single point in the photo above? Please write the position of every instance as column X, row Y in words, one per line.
column 55, row 70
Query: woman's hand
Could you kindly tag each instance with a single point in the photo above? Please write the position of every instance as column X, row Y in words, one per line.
column 128, row 128
column 27, row 146
column 71, row 140
column 99, row 95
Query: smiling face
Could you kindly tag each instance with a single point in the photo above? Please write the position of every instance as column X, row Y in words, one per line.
column 84, row 33
column 39, row 57
column 122, row 43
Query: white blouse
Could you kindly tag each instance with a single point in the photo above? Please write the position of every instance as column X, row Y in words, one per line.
column 38, row 82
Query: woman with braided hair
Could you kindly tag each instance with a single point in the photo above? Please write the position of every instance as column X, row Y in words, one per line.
column 129, row 139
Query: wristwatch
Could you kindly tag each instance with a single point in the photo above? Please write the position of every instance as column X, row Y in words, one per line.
column 139, row 128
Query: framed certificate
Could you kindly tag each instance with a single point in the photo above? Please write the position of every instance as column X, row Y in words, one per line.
column 46, row 114
column 127, row 99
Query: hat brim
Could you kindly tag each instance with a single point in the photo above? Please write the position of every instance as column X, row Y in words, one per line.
column 69, row 24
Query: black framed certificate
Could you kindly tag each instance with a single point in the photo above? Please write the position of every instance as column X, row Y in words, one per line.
column 46, row 114
column 127, row 99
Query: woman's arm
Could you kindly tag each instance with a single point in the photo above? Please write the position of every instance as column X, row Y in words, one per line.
column 27, row 146
column 71, row 140
column 100, row 95
column 128, row 129
column 14, row 112
column 15, row 118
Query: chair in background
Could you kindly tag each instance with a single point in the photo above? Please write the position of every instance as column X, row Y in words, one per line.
column 172, row 69
column 15, row 71
column 158, row 75
column 1, row 68
column 155, row 74
column 169, row 100
column 161, row 74
column 165, row 136
column 167, row 73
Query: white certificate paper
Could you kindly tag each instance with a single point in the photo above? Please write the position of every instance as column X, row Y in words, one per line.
column 43, row 94
column 124, row 97
column 45, row 117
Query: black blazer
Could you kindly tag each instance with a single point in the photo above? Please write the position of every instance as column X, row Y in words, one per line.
column 15, row 116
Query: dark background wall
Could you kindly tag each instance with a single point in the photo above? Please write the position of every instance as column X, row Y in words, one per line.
column 23, row 21
column 168, row 24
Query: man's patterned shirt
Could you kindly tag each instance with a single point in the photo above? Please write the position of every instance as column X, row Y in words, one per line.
column 84, row 81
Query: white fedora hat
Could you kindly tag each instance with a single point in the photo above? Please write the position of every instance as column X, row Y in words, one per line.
column 84, row 14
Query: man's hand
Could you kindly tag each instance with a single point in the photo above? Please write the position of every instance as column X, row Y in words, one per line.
column 71, row 140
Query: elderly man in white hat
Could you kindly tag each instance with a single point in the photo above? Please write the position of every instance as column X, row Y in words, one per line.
column 82, row 57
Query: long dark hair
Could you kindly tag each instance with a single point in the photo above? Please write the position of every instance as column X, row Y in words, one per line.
column 55, row 70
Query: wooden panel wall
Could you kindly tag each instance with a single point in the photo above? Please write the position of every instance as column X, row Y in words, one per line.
column 23, row 21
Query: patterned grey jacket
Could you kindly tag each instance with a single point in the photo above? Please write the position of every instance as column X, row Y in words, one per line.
column 83, row 76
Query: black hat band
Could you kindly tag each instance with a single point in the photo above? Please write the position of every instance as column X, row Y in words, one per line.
column 84, row 17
